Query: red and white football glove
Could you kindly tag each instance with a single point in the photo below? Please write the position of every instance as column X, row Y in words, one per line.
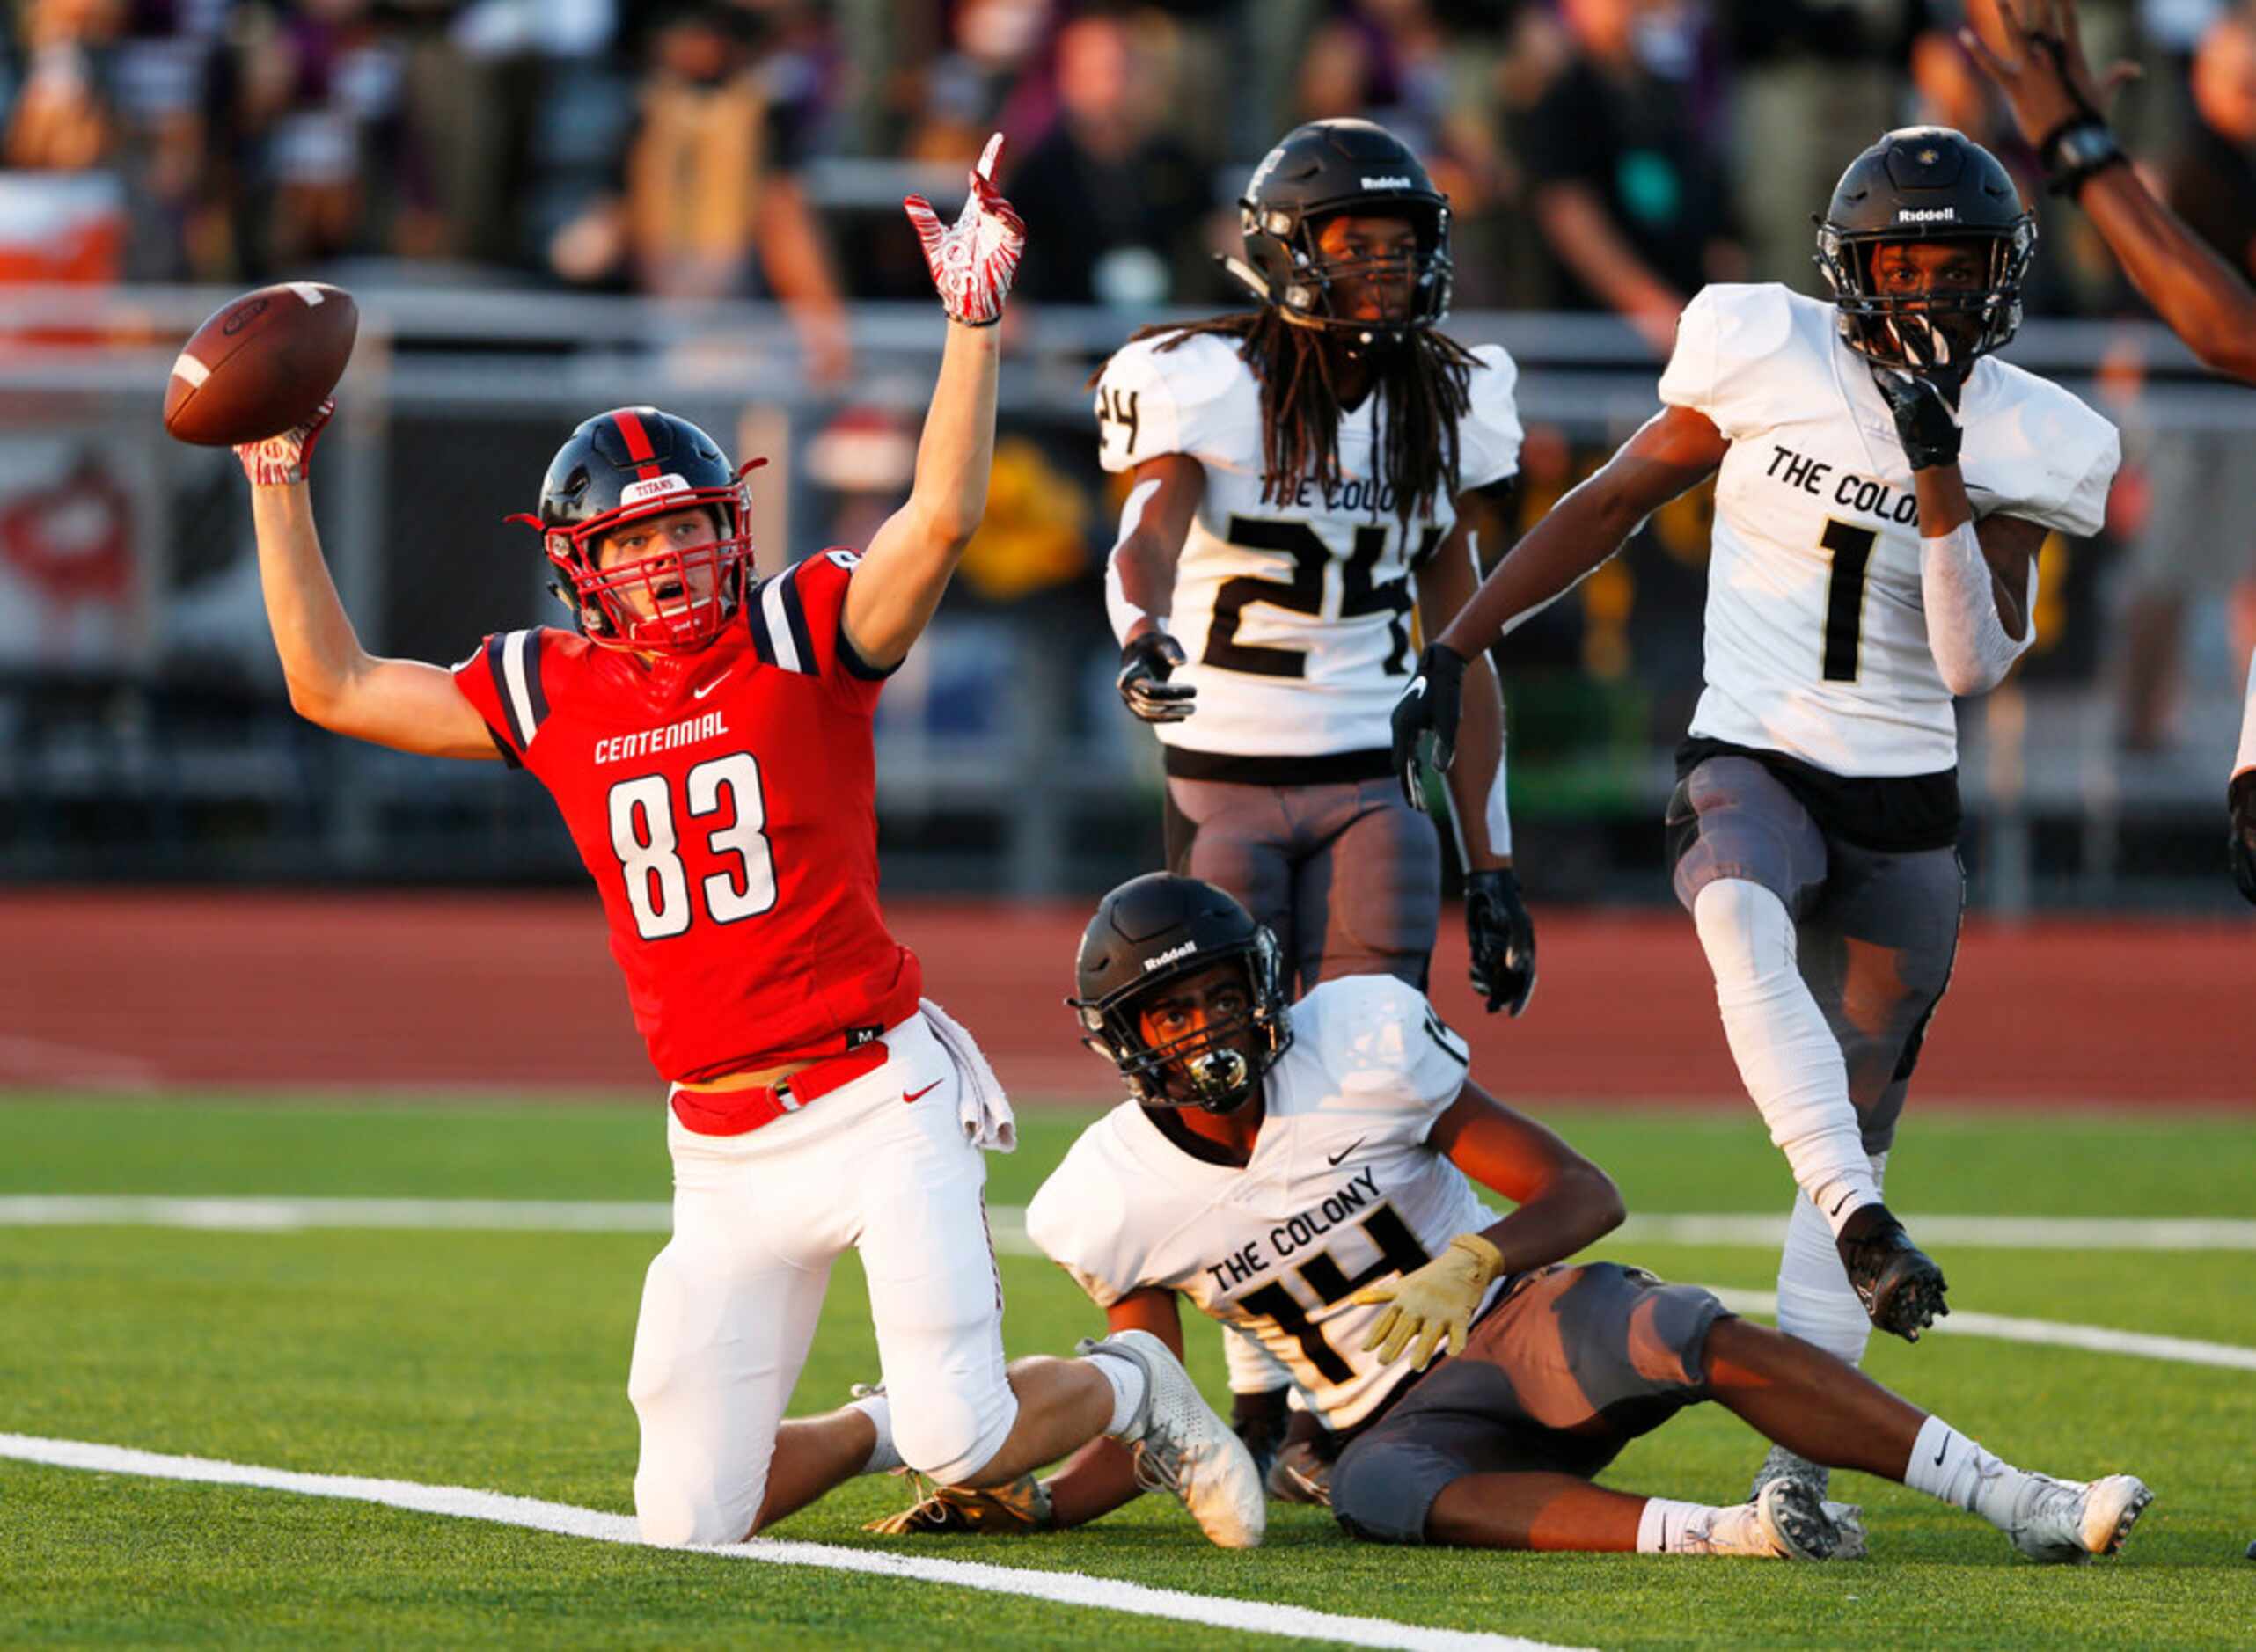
column 281, row 460
column 973, row 260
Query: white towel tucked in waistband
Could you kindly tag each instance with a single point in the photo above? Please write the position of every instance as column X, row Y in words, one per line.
column 981, row 1104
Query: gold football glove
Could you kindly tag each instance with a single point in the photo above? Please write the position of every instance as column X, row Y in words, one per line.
column 1021, row 1506
column 1437, row 1301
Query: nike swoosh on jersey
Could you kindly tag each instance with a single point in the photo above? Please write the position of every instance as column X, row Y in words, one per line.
column 699, row 693
column 1333, row 1158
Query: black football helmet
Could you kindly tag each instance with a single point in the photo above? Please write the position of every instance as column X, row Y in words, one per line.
column 1925, row 183
column 1320, row 171
column 618, row 467
column 1152, row 932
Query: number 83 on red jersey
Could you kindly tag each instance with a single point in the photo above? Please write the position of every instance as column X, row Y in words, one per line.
column 724, row 803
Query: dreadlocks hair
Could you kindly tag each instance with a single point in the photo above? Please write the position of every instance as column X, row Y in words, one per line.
column 1424, row 386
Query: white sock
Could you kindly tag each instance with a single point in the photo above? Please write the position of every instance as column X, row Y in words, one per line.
column 1947, row 1465
column 1667, row 1527
column 1787, row 1057
column 1128, row 1382
column 884, row 1457
column 1815, row 1301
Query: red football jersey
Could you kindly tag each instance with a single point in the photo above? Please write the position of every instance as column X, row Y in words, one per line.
column 725, row 803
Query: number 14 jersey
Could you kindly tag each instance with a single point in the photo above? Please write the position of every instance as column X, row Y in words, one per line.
column 725, row 803
column 1295, row 613
column 1342, row 1191
column 1816, row 637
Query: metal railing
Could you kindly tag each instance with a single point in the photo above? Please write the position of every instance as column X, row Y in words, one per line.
column 1003, row 763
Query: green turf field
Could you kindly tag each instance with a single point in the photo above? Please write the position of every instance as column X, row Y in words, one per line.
column 499, row 1359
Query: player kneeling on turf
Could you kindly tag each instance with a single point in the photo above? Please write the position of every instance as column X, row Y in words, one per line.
column 706, row 736
column 1301, row 1174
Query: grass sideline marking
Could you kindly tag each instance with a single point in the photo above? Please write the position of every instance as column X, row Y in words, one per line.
column 2051, row 1333
column 561, row 1215
column 1008, row 1225
column 1067, row 1589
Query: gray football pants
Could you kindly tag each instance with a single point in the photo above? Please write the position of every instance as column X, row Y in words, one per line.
column 1347, row 876
column 1875, row 932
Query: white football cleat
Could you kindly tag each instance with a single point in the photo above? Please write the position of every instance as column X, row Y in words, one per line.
column 2072, row 1520
column 1183, row 1447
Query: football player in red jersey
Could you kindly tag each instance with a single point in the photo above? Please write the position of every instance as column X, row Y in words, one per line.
column 707, row 737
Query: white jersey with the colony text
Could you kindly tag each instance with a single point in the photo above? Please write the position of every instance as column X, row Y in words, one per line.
column 1295, row 613
column 1816, row 637
column 1342, row 1191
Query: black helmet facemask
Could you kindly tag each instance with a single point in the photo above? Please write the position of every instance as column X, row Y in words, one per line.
column 1151, row 934
column 1331, row 169
column 1925, row 184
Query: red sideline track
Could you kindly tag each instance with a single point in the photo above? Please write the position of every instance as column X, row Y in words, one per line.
column 124, row 991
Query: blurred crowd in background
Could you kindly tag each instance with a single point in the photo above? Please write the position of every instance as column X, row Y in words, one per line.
column 1609, row 154
column 1602, row 156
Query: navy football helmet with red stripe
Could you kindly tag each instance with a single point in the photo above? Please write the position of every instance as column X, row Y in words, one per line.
column 624, row 466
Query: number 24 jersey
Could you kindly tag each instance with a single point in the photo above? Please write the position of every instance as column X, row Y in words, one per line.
column 1342, row 1192
column 1295, row 613
column 725, row 803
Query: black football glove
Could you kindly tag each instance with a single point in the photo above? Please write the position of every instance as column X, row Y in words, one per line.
column 1924, row 398
column 2240, row 798
column 1504, row 939
column 1145, row 664
column 1429, row 707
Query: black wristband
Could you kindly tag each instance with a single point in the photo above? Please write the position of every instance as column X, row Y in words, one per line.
column 2077, row 150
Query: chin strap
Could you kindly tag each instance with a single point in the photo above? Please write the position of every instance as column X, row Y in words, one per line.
column 1248, row 277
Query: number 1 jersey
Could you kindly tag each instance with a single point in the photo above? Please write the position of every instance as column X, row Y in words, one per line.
column 1295, row 613
column 1816, row 641
column 725, row 803
column 1342, row 1192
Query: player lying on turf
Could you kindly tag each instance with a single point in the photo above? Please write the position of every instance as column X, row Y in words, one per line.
column 1883, row 485
column 1301, row 1176
column 707, row 740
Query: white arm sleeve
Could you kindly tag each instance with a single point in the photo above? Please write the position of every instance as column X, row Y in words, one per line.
column 2247, row 757
column 1964, row 632
column 1124, row 613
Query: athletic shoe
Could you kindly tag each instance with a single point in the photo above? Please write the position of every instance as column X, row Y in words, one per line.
column 2072, row 1520
column 1795, row 1524
column 1899, row 1283
column 1781, row 1464
column 1183, row 1447
column 1848, row 1519
column 1298, row 1475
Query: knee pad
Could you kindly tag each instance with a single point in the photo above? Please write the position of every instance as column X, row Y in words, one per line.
column 675, row 1505
column 1381, row 1490
column 950, row 1436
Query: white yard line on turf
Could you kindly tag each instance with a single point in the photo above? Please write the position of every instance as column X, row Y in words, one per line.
column 1008, row 1226
column 1067, row 1589
column 555, row 1216
column 2097, row 1339
column 42, row 1060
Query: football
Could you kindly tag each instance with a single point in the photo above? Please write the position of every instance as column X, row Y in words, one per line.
column 261, row 364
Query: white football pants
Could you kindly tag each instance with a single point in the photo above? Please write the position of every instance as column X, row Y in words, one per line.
column 729, row 1307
